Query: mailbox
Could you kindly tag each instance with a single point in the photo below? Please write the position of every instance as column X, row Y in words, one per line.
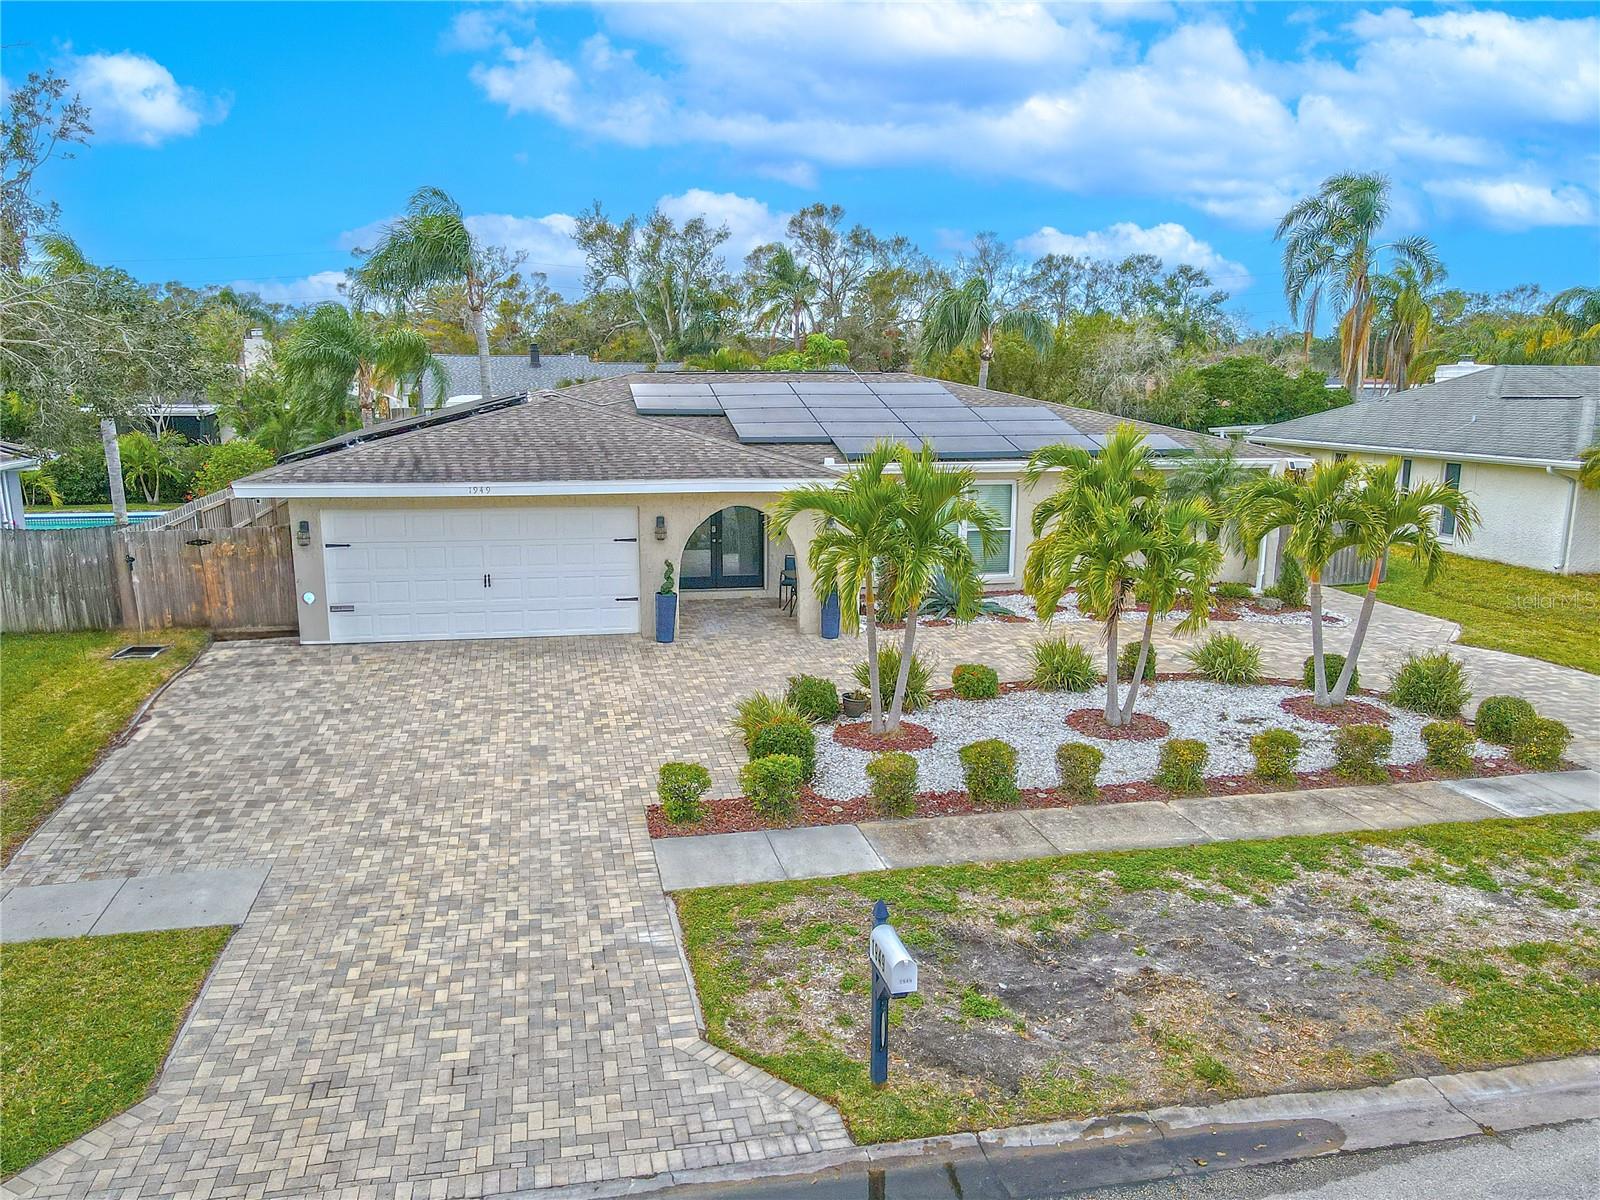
column 893, row 961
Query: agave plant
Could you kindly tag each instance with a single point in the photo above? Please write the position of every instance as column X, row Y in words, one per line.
column 943, row 602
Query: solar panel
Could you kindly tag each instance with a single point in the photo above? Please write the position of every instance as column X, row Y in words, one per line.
column 670, row 389
column 852, row 412
column 1161, row 443
column 938, row 399
column 854, row 447
column 740, row 388
column 752, row 415
column 1056, row 429
column 866, row 429
column 780, row 431
column 677, row 406
column 964, row 416
column 904, row 387
column 841, row 400
column 926, row 428
column 972, row 446
column 999, row 415
column 840, row 387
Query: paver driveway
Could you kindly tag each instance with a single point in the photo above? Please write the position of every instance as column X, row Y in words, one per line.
column 461, row 972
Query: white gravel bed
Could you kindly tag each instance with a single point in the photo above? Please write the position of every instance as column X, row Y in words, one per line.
column 1023, row 606
column 1222, row 716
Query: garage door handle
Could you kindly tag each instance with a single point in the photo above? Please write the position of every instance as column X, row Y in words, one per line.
column 626, row 599
column 486, row 580
column 341, row 608
column 624, row 539
column 336, row 545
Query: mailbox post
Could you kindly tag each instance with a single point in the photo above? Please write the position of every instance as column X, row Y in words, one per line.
column 894, row 974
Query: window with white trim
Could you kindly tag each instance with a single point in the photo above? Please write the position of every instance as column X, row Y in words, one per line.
column 1447, row 519
column 1000, row 499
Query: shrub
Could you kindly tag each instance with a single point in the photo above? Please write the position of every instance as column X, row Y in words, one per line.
column 990, row 767
column 1500, row 719
column 772, row 784
column 1433, row 684
column 680, row 786
column 1332, row 664
column 1449, row 745
column 230, row 461
column 893, row 778
column 1232, row 591
column 1225, row 658
column 1078, row 766
column 1182, row 765
column 1277, row 753
column 756, row 712
column 1291, row 585
column 1128, row 658
column 974, row 681
column 889, row 671
column 817, row 699
column 1541, row 743
column 1061, row 665
column 1359, row 752
column 790, row 736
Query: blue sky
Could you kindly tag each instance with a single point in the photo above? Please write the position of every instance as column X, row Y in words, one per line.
column 257, row 143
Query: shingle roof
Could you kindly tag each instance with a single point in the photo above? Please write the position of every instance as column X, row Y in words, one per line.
column 1545, row 414
column 510, row 373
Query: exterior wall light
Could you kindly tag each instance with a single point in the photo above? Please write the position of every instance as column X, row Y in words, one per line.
column 661, row 529
column 302, row 534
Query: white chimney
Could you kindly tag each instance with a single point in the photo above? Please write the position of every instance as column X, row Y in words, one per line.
column 256, row 350
column 1457, row 369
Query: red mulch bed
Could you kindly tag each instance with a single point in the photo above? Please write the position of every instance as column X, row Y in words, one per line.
column 1351, row 712
column 859, row 736
column 735, row 815
column 1091, row 722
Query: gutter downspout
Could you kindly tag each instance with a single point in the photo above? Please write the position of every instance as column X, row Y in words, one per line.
column 1566, row 524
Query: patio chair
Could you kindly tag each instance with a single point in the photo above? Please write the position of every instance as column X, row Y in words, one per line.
column 788, row 581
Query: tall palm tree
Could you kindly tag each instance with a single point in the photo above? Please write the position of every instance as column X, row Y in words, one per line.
column 1175, row 570
column 1568, row 330
column 1212, row 477
column 855, row 516
column 784, row 290
column 431, row 244
column 971, row 315
column 336, row 349
column 1330, row 252
column 1322, row 513
column 925, row 542
column 1391, row 517
column 1404, row 319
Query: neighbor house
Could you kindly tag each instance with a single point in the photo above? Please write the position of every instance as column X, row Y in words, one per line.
column 14, row 460
column 556, row 512
column 530, row 372
column 1509, row 437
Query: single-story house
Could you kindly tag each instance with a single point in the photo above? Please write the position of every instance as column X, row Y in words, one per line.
column 1508, row 436
column 14, row 460
column 556, row 512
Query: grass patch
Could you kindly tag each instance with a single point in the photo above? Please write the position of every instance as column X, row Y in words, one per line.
column 1517, row 609
column 61, row 701
column 85, row 1026
column 1534, row 1000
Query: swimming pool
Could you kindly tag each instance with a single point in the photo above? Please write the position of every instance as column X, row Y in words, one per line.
column 89, row 520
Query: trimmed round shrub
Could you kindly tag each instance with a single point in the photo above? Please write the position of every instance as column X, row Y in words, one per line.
column 1277, row 753
column 1061, row 665
column 1332, row 664
column 1128, row 658
column 1449, row 745
column 1433, row 684
column 1078, row 767
column 1182, row 765
column 772, row 785
column 1541, row 743
column 1500, row 719
column 1360, row 752
column 1291, row 585
column 893, row 779
column 790, row 737
column 990, row 767
column 817, row 699
column 1226, row 658
column 1232, row 591
column 679, row 786
column 755, row 713
column 974, row 681
column 889, row 672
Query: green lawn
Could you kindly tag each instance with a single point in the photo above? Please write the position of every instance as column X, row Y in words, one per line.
column 86, row 1024
column 133, row 506
column 61, row 701
column 1094, row 983
column 1499, row 607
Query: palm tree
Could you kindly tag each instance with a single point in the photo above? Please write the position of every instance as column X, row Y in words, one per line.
column 1329, row 252
column 1212, row 477
column 926, row 542
column 1405, row 321
column 784, row 290
column 335, row 349
column 1390, row 518
column 1568, row 331
column 855, row 516
column 1589, row 471
column 1175, row 570
column 431, row 245
column 971, row 315
column 1322, row 513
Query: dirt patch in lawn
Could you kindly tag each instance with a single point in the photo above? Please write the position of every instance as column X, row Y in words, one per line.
column 1093, row 983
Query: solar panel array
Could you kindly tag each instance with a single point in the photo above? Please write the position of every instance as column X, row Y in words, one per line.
column 854, row 414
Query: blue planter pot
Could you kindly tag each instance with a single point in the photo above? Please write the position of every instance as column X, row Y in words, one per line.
column 830, row 616
column 666, row 616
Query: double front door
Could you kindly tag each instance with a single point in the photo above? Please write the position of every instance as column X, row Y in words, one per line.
column 728, row 550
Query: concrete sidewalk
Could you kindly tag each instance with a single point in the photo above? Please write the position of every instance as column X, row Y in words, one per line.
column 822, row 850
column 140, row 904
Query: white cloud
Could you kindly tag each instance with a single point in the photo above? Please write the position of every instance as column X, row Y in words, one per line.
column 795, row 174
column 316, row 288
column 750, row 222
column 546, row 240
column 133, row 98
column 1168, row 241
column 1516, row 203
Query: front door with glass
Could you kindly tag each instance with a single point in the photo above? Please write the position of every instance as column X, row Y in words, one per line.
column 728, row 550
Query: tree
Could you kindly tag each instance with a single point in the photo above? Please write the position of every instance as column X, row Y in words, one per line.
column 854, row 517
column 230, row 461
column 1246, row 389
column 1589, row 472
column 838, row 259
column 1322, row 513
column 336, row 349
column 1211, row 478
column 1175, row 570
column 971, row 315
column 41, row 124
column 1329, row 252
column 1390, row 517
column 150, row 464
column 781, row 292
column 431, row 245
column 1404, row 320
column 821, row 352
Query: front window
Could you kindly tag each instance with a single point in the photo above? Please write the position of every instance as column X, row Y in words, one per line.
column 998, row 498
column 1447, row 519
column 1405, row 474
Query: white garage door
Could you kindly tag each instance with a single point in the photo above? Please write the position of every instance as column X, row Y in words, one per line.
column 405, row 575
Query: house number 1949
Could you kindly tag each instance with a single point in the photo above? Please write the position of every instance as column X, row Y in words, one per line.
column 478, row 489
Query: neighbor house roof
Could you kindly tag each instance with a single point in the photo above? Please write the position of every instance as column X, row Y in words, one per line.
column 1544, row 416
column 514, row 373
column 16, row 458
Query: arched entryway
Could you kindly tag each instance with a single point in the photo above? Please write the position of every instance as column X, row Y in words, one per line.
column 727, row 550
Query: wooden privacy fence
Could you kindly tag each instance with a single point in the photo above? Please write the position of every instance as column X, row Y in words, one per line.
column 225, row 579
column 222, row 510
column 1347, row 566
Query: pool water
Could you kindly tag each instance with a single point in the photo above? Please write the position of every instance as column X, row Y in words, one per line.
column 89, row 520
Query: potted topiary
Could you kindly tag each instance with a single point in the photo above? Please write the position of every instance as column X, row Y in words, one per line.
column 666, row 606
column 854, row 704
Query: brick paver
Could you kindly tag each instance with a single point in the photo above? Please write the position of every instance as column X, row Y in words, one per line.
column 460, row 976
